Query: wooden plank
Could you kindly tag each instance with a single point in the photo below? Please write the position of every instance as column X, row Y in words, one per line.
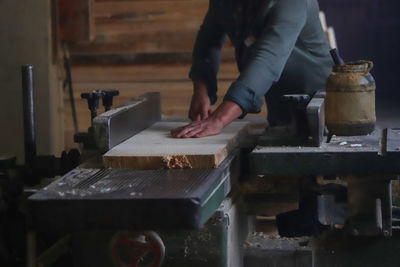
column 109, row 45
column 150, row 9
column 120, row 27
column 123, row 44
column 114, row 18
column 154, row 27
column 139, row 58
column 143, row 26
column 154, row 148
column 74, row 20
column 145, row 73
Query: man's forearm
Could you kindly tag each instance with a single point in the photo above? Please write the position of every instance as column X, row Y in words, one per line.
column 199, row 85
column 227, row 112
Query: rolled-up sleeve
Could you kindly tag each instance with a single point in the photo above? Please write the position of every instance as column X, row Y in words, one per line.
column 268, row 55
column 207, row 53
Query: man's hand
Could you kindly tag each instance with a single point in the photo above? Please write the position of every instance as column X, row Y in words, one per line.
column 213, row 125
column 198, row 129
column 200, row 104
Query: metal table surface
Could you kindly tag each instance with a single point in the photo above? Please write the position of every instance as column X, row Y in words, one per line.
column 132, row 199
column 374, row 154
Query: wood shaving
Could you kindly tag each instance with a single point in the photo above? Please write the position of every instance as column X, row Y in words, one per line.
column 177, row 162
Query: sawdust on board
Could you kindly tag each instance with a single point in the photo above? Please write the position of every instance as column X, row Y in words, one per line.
column 176, row 162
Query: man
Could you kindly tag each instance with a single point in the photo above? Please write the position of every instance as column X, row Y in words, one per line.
column 280, row 48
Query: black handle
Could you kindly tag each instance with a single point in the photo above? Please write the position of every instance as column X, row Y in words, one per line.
column 93, row 100
column 108, row 96
column 336, row 57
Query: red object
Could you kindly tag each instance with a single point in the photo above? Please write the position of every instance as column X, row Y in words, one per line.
column 139, row 244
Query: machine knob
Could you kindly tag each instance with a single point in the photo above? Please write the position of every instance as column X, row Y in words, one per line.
column 298, row 101
column 93, row 100
column 108, row 96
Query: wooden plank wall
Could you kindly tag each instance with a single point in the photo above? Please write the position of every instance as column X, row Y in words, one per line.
column 73, row 20
column 144, row 26
column 152, row 30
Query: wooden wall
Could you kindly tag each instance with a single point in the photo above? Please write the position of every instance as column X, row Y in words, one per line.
column 143, row 26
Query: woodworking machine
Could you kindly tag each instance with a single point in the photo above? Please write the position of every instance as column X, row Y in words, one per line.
column 201, row 215
column 92, row 197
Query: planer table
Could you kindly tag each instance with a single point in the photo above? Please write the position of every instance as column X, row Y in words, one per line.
column 133, row 199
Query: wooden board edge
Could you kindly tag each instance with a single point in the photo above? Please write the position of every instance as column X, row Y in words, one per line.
column 160, row 162
column 232, row 144
column 176, row 161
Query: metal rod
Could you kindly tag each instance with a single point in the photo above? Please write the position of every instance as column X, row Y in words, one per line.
column 68, row 82
column 31, row 249
column 52, row 254
column 29, row 113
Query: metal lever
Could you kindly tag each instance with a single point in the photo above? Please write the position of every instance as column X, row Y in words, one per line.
column 93, row 100
column 107, row 97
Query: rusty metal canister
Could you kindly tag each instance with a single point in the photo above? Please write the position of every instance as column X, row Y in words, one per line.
column 350, row 99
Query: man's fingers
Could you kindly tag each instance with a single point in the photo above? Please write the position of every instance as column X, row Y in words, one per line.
column 192, row 132
column 195, row 113
column 204, row 134
column 173, row 131
column 194, row 116
column 204, row 114
column 199, row 130
column 201, row 134
column 186, row 130
column 185, row 126
column 196, row 129
column 177, row 130
column 207, row 132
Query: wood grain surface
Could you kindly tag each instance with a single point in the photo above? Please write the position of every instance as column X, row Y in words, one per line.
column 154, row 148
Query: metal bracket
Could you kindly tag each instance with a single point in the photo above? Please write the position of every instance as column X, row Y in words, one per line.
column 115, row 126
column 316, row 119
column 307, row 125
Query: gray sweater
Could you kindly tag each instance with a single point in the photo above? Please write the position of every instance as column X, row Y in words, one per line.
column 279, row 45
